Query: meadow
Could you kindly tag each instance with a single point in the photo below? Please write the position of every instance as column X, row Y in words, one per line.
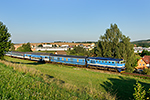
column 75, row 83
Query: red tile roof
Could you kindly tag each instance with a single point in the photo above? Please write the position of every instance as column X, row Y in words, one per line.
column 146, row 59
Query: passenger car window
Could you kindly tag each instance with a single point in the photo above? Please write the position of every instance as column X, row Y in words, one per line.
column 71, row 59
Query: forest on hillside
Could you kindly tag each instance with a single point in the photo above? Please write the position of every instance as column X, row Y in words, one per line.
column 142, row 43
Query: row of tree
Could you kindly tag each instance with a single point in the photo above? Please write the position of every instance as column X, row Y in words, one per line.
column 142, row 43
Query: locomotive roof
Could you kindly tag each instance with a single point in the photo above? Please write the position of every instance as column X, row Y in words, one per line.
column 72, row 56
column 103, row 58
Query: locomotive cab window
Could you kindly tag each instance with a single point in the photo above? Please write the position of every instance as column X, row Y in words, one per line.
column 122, row 62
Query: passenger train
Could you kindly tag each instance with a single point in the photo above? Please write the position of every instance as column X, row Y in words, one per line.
column 97, row 62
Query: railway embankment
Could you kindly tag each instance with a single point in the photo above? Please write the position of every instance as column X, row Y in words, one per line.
column 87, row 81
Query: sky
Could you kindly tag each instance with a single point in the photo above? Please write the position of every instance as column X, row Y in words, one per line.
column 74, row 20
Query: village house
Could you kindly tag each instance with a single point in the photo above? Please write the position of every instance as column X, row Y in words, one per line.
column 140, row 49
column 144, row 62
column 47, row 45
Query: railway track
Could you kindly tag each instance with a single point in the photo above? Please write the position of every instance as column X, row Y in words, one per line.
column 135, row 74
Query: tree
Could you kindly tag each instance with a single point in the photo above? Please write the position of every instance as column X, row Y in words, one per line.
column 5, row 41
column 145, row 52
column 80, row 51
column 12, row 48
column 25, row 48
column 115, row 45
column 40, row 45
column 93, row 52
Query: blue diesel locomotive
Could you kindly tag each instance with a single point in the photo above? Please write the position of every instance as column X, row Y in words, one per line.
column 98, row 62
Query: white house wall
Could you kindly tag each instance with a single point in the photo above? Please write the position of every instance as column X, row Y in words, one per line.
column 147, row 65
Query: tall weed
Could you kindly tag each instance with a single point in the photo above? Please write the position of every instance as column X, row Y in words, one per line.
column 140, row 93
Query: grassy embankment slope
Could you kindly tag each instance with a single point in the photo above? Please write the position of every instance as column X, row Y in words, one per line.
column 15, row 85
column 82, row 81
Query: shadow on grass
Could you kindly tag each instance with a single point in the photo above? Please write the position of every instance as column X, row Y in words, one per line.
column 122, row 87
column 49, row 76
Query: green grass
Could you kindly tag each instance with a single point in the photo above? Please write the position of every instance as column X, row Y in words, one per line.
column 95, row 83
column 16, row 85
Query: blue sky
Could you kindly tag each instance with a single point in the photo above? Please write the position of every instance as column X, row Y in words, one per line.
column 74, row 20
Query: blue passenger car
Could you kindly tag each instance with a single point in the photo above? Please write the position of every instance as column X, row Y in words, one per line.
column 33, row 56
column 68, row 59
column 45, row 57
column 106, row 63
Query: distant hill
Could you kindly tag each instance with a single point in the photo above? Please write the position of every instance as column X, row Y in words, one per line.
column 143, row 43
